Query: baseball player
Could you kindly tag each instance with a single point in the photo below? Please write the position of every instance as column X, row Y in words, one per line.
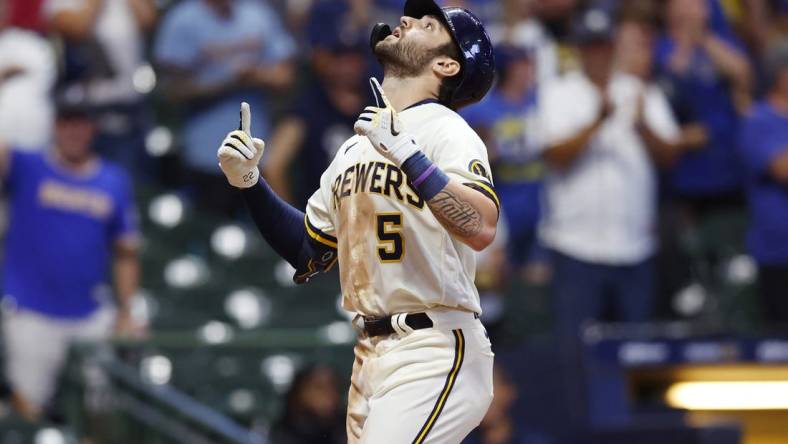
column 401, row 208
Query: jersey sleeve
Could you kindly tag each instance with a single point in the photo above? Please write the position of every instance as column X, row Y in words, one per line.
column 461, row 154
column 321, row 242
column 319, row 219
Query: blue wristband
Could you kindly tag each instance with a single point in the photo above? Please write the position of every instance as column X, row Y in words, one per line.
column 425, row 176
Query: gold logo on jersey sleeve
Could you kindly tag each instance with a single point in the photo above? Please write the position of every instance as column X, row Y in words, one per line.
column 477, row 167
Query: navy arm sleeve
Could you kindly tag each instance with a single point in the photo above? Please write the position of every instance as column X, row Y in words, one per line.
column 284, row 228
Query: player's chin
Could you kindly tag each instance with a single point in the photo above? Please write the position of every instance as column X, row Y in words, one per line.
column 388, row 42
column 387, row 50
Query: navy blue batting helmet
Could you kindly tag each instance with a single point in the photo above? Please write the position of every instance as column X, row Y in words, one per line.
column 476, row 50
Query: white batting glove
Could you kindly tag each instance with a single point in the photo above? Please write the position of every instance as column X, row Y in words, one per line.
column 384, row 130
column 240, row 153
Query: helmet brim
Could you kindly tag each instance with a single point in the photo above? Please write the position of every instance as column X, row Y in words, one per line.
column 420, row 8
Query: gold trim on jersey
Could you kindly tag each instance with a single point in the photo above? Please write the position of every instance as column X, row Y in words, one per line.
column 459, row 354
column 318, row 235
column 487, row 190
column 310, row 270
column 477, row 167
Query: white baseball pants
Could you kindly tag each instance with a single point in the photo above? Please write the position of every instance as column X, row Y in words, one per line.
column 432, row 385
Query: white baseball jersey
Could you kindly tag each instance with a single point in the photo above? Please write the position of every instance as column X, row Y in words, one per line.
column 394, row 256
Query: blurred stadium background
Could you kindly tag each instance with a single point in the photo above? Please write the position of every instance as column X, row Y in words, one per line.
column 234, row 352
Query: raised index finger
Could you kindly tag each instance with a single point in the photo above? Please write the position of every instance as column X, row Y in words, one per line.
column 377, row 91
column 245, row 124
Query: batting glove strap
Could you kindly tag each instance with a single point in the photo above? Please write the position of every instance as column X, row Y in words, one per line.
column 403, row 149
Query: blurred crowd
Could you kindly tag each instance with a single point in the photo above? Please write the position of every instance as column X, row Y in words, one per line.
column 618, row 132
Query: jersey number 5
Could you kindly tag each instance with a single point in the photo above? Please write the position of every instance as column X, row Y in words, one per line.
column 391, row 245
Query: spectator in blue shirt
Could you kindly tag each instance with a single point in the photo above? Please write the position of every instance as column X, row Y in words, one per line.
column 764, row 147
column 707, row 78
column 506, row 121
column 212, row 55
column 72, row 221
column 702, row 69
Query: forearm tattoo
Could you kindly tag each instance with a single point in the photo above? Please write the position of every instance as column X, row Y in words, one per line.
column 456, row 215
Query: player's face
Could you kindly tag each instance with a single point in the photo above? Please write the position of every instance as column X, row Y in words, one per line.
column 408, row 51
column 73, row 137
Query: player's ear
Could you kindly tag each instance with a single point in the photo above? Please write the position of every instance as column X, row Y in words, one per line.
column 444, row 66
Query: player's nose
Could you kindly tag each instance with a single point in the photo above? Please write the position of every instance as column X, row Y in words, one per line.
column 406, row 22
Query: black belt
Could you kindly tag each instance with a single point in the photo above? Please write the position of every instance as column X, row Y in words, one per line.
column 382, row 326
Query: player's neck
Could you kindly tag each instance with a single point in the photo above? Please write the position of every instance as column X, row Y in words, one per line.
column 404, row 92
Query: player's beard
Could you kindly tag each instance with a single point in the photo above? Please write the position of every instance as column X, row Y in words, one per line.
column 404, row 59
